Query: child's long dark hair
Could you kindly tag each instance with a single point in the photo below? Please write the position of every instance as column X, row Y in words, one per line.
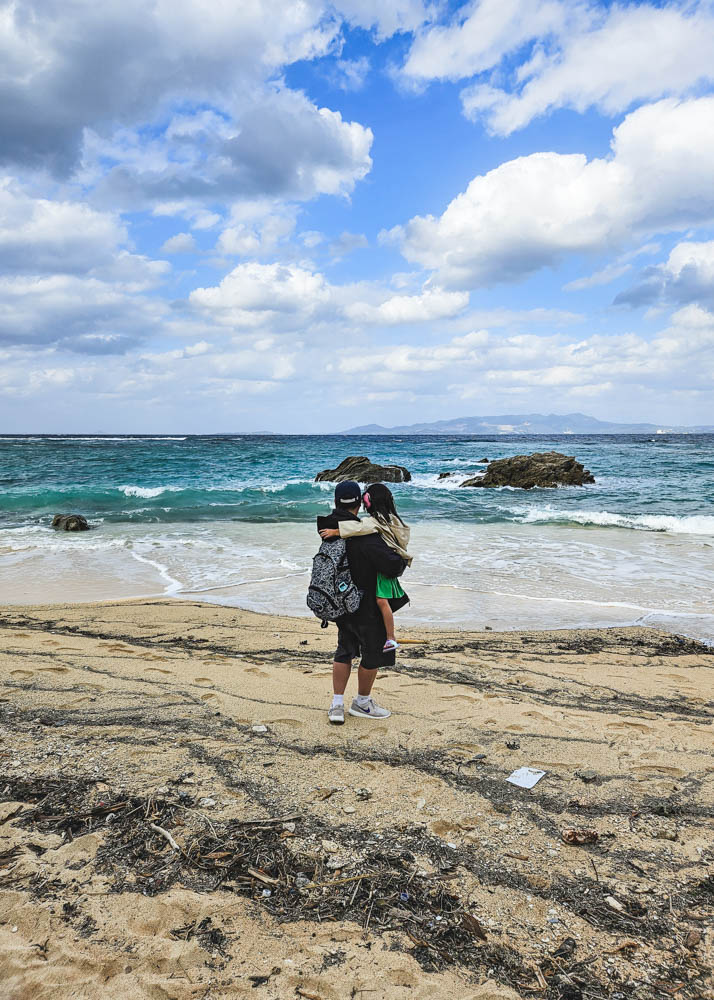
column 381, row 503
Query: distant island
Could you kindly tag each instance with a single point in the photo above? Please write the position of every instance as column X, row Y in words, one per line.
column 528, row 423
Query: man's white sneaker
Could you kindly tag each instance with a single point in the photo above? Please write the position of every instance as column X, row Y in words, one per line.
column 336, row 715
column 370, row 711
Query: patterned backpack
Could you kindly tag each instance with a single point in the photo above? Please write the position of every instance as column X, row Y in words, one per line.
column 332, row 592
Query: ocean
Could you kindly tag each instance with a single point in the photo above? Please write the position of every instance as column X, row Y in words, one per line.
column 230, row 519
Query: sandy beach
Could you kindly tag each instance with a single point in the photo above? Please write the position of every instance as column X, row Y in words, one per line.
column 179, row 821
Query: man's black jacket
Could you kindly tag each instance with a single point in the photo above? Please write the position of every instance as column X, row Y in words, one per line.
column 367, row 556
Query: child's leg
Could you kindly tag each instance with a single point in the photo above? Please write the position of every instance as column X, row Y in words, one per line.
column 387, row 616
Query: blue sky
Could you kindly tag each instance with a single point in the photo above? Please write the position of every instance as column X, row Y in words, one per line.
column 302, row 217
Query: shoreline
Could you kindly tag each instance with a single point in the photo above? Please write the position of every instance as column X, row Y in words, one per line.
column 362, row 835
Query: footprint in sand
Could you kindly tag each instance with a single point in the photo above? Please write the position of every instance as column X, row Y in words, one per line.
column 294, row 723
column 158, row 659
column 458, row 697
column 21, row 674
column 256, row 671
column 374, row 731
column 50, row 642
column 117, row 648
column 203, row 681
column 674, row 772
column 158, row 670
column 640, row 726
column 210, row 698
column 515, row 729
column 54, row 670
column 538, row 715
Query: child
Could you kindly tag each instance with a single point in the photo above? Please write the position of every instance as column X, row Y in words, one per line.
column 383, row 518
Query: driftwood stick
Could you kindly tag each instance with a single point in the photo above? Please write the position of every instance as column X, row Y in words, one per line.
column 166, row 835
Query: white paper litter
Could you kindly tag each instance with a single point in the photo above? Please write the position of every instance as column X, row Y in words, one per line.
column 525, row 777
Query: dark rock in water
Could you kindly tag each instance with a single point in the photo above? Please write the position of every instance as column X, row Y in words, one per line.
column 546, row 469
column 362, row 470
column 70, row 522
column 445, row 475
column 483, row 461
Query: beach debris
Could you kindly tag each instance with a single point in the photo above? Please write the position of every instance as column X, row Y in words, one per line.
column 166, row 835
column 330, row 847
column 420, row 803
column 348, row 809
column 364, row 793
column 525, row 777
column 259, row 728
column 70, row 522
column 363, row 470
column 262, row 980
column 470, row 922
column 207, row 803
column 587, row 776
column 573, row 836
column 565, row 949
column 513, row 744
column 665, row 831
column 307, row 996
column 623, row 947
column 692, row 939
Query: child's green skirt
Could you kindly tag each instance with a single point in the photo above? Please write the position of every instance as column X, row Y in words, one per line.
column 388, row 586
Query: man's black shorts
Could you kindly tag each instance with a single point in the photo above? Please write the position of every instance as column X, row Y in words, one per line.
column 357, row 638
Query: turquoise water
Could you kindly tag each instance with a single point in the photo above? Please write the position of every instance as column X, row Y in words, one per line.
column 231, row 519
column 663, row 483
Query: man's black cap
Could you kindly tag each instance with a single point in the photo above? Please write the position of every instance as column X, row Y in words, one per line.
column 348, row 494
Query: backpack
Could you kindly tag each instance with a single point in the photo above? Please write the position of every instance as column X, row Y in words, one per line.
column 332, row 592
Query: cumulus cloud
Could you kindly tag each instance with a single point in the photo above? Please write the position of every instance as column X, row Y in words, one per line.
column 253, row 294
column 686, row 277
column 481, row 34
column 37, row 234
column 559, row 53
column 81, row 314
column 680, row 357
column 433, row 303
column 278, row 145
column 529, row 212
column 68, row 67
column 180, row 243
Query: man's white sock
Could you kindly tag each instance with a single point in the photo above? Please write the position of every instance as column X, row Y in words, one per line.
column 363, row 700
column 337, row 700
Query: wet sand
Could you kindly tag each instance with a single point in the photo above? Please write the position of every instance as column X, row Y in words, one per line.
column 120, row 715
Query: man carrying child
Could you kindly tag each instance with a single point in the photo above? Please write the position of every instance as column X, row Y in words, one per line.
column 363, row 632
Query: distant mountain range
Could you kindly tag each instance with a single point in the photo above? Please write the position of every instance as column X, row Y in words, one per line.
column 529, row 423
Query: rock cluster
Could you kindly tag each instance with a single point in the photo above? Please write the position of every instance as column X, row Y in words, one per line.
column 362, row 470
column 546, row 469
column 70, row 522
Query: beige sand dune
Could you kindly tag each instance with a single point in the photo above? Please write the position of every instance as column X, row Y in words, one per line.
column 153, row 703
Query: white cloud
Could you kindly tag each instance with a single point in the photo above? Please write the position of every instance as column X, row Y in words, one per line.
column 564, row 53
column 680, row 357
column 68, row 67
column 479, row 40
column 254, row 294
column 82, row 314
column 37, row 234
column 180, row 243
column 350, row 74
column 620, row 56
column 529, row 212
column 277, row 145
column 687, row 276
column 433, row 303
